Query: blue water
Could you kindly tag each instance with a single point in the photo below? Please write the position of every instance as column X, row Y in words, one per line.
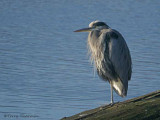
column 45, row 71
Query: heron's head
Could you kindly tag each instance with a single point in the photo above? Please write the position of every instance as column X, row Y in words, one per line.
column 95, row 25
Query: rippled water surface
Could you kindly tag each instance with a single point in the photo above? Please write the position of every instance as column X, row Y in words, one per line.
column 45, row 71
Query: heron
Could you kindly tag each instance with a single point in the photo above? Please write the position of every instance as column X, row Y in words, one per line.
column 110, row 55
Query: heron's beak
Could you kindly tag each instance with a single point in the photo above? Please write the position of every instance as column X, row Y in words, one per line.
column 85, row 29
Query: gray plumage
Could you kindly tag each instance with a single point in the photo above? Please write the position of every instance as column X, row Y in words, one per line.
column 111, row 56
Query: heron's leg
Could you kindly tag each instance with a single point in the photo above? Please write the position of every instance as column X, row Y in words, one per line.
column 112, row 102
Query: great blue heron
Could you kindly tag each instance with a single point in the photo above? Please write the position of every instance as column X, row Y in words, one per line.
column 111, row 56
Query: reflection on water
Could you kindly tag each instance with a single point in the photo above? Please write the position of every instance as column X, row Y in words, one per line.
column 45, row 71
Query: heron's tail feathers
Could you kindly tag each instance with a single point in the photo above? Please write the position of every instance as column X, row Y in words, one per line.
column 120, row 87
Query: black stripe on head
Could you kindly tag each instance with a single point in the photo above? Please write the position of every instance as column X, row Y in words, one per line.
column 99, row 24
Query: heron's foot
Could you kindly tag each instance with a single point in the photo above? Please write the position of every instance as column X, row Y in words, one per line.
column 111, row 104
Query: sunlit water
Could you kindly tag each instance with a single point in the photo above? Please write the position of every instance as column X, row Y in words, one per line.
column 45, row 71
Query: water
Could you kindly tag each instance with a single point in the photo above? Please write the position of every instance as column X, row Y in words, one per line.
column 45, row 71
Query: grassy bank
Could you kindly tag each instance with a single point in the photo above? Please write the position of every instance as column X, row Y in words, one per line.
column 145, row 107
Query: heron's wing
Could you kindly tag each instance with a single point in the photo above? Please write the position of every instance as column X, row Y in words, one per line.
column 118, row 54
